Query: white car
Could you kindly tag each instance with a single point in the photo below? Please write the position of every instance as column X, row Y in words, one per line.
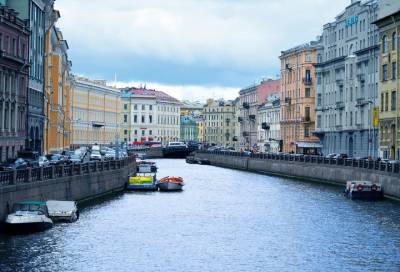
column 95, row 156
column 43, row 161
column 176, row 144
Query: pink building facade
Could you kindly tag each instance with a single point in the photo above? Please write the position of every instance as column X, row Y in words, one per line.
column 266, row 88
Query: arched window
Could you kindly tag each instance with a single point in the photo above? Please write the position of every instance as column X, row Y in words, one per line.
column 394, row 41
column 384, row 44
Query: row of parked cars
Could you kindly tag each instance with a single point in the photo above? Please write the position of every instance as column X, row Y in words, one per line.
column 28, row 159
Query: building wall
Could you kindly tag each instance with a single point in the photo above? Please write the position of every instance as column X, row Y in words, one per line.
column 13, row 84
column 95, row 112
column 220, row 122
column 189, row 129
column 347, row 82
column 297, row 96
column 266, row 88
column 389, row 86
column 248, row 108
column 269, row 137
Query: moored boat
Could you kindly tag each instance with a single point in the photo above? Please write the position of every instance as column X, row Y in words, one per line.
column 191, row 160
column 364, row 190
column 171, row 184
column 142, row 182
column 146, row 167
column 27, row 217
column 65, row 211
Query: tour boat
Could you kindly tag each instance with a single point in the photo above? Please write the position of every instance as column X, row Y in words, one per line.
column 363, row 190
column 142, row 182
column 146, row 167
column 170, row 184
column 65, row 211
column 27, row 217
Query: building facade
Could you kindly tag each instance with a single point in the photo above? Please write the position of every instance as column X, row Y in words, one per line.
column 189, row 130
column 250, row 99
column 347, row 82
column 297, row 100
column 389, row 86
column 153, row 116
column 34, row 12
column 269, row 128
column 220, row 123
column 14, row 76
column 95, row 112
column 57, row 134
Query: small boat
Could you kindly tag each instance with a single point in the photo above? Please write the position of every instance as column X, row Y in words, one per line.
column 142, row 182
column 364, row 190
column 28, row 217
column 146, row 167
column 203, row 161
column 64, row 211
column 170, row 184
column 191, row 160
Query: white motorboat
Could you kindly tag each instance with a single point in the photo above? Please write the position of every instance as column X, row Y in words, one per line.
column 27, row 217
column 170, row 184
column 62, row 210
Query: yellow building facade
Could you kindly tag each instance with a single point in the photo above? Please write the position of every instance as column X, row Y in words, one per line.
column 389, row 86
column 57, row 89
column 96, row 110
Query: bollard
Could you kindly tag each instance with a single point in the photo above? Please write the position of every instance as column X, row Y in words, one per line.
column 14, row 177
column 28, row 176
column 53, row 171
column 79, row 169
column 41, row 174
column 62, row 171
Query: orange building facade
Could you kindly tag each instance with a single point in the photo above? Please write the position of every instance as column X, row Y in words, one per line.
column 57, row 128
column 297, row 100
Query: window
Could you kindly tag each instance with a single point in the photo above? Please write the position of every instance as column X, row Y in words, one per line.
column 386, row 101
column 135, row 118
column 135, row 132
column 150, row 107
column 143, row 119
column 150, row 132
column 382, row 102
column 393, row 101
column 125, row 106
column 384, row 44
column 135, row 107
column 150, row 119
column 394, row 41
column 394, row 70
column 143, row 132
column 306, row 131
column 308, row 92
column 125, row 132
column 384, row 72
column 319, row 121
column 125, row 118
column 308, row 57
column 143, row 107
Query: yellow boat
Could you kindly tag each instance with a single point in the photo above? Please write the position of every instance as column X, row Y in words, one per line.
column 142, row 182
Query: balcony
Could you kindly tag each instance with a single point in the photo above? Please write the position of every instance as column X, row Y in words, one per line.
column 98, row 124
column 318, row 108
column 235, row 139
column 240, row 119
column 20, row 60
column 288, row 100
column 339, row 81
column 359, row 125
column 246, row 105
column 252, row 117
column 306, row 119
column 307, row 81
column 339, row 105
column 245, row 134
column 361, row 102
column 361, row 77
column 339, row 127
column 265, row 126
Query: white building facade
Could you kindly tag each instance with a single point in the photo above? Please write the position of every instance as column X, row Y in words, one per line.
column 269, row 134
column 150, row 116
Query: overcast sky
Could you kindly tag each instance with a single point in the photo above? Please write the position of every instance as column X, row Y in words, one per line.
column 193, row 49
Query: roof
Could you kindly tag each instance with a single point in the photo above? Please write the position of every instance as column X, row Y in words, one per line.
column 309, row 144
column 31, row 203
column 159, row 95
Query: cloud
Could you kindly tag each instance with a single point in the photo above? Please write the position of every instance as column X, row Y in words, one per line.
column 185, row 92
column 227, row 35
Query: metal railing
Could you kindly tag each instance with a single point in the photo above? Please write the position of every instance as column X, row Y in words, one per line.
column 37, row 174
column 373, row 165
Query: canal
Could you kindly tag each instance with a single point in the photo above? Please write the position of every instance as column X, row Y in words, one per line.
column 224, row 220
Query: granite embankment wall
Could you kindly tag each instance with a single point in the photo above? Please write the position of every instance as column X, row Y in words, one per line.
column 313, row 169
column 74, row 182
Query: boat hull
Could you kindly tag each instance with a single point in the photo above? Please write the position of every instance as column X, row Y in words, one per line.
column 365, row 195
column 25, row 228
column 170, row 186
column 141, row 187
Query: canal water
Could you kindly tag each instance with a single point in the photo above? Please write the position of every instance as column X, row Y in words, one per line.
column 224, row 220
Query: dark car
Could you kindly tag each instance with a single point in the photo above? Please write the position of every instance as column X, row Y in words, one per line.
column 75, row 159
column 56, row 159
column 31, row 157
column 17, row 164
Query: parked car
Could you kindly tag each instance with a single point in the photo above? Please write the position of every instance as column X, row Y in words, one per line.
column 95, row 156
column 31, row 157
column 17, row 164
column 56, row 159
column 109, row 155
column 75, row 159
column 43, row 161
column 332, row 155
column 341, row 156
